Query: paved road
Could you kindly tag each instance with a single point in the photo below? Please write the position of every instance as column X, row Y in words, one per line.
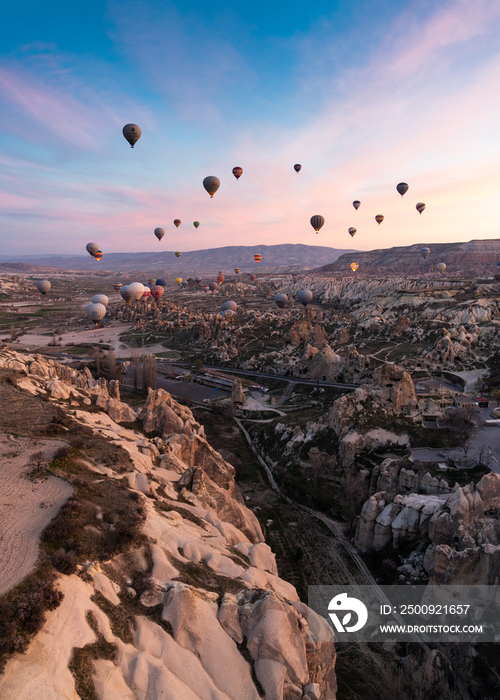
column 264, row 375
column 179, row 389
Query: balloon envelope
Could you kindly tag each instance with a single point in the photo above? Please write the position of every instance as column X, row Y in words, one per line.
column 281, row 300
column 100, row 299
column 157, row 291
column 297, row 167
column 305, row 296
column 117, row 286
column 232, row 305
column 252, row 278
column 132, row 133
column 177, row 223
column 237, row 270
column 211, row 184
column 237, row 172
column 424, row 252
column 441, row 266
column 257, row 257
column 197, row 280
column 136, row 289
column 228, row 313
column 177, row 254
column 178, row 280
column 354, row 266
column 196, row 224
column 356, row 204
column 159, row 233
column 43, row 286
column 317, row 222
column 420, row 207
column 402, row 188
column 96, row 312
column 352, row 231
column 146, row 293
column 161, row 281
column 92, row 248
column 379, row 218
column 126, row 294
column 213, row 286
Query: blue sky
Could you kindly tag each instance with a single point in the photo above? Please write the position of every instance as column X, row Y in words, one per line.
column 363, row 95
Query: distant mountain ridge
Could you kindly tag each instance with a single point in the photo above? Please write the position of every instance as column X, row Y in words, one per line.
column 282, row 257
column 475, row 257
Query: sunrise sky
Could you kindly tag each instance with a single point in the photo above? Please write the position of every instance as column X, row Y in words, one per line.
column 363, row 94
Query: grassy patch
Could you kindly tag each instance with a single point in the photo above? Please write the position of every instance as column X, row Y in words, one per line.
column 81, row 666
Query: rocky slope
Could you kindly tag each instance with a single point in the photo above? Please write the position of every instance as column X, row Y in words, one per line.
column 194, row 608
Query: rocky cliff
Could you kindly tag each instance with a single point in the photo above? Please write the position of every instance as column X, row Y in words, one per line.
column 192, row 607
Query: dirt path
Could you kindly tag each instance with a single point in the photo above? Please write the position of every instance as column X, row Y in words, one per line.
column 26, row 506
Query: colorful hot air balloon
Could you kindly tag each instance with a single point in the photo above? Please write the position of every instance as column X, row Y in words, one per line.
column 420, row 207
column 92, row 248
column 100, row 299
column 252, row 278
column 126, row 294
column 351, row 231
column 237, row 270
column 354, row 266
column 281, row 300
column 117, row 286
column 257, row 257
column 229, row 305
column 228, row 314
column 402, row 188
column 196, row 224
column 151, row 281
column 43, row 286
column 220, row 279
column 184, row 283
column 213, row 286
column 146, row 293
column 424, row 252
column 206, row 288
column 178, row 280
column 317, row 222
column 379, row 218
column 157, row 291
column 305, row 296
column 177, row 223
column 161, row 282
column 356, row 204
column 159, row 233
column 237, row 172
column 177, row 254
column 441, row 266
column 297, row 167
column 197, row 280
column 211, row 184
column 132, row 133
column 96, row 312
column 98, row 255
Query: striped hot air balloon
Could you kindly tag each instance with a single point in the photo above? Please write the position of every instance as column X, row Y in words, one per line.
column 157, row 291
column 317, row 222
column 379, row 218
column 237, row 270
column 352, row 231
column 177, row 254
column 257, row 257
column 420, row 207
column 354, row 266
column 237, row 172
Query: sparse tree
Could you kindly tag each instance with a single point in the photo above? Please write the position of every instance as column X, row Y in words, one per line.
column 136, row 363
column 149, row 371
column 12, row 333
column 111, row 364
column 461, row 423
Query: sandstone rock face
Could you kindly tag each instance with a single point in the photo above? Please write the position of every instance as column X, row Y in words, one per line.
column 202, row 542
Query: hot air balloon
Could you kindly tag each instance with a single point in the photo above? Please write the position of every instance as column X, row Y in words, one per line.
column 100, row 299
column 231, row 305
column 237, row 270
column 184, row 283
column 98, row 255
column 43, row 286
column 220, row 279
column 177, row 254
column 196, row 224
column 213, row 286
column 354, row 266
column 498, row 264
column 151, row 281
column 197, row 280
column 252, row 278
column 161, row 281
column 117, row 286
column 297, row 167
column 136, row 289
column 295, row 277
column 132, row 133
column 351, row 231
column 305, row 296
column 441, row 266
column 126, row 294
column 211, row 184
column 227, row 314
column 92, row 248
column 317, row 222
column 96, row 312
column 237, row 172
column 402, row 188
column 206, row 288
column 177, row 223
column 420, row 207
column 356, row 204
column 257, row 257
column 424, row 252
column 146, row 293
column 379, row 218
column 157, row 291
column 178, row 280
column 281, row 300
column 159, row 233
